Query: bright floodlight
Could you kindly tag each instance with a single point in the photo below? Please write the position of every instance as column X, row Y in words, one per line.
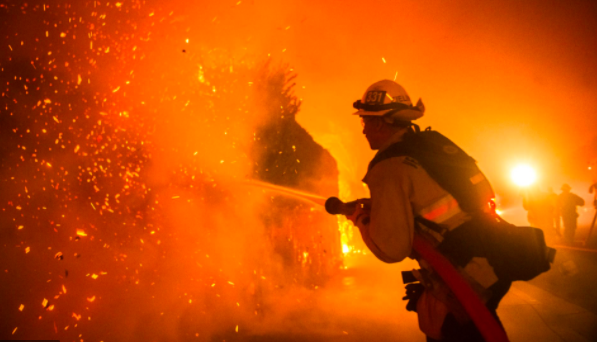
column 524, row 175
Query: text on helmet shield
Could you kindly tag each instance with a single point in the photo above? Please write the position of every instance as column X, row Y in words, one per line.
column 375, row 97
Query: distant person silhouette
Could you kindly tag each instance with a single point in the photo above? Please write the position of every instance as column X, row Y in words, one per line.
column 552, row 211
column 593, row 190
column 535, row 202
column 567, row 203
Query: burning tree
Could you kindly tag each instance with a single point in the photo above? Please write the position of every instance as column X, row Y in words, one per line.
column 123, row 170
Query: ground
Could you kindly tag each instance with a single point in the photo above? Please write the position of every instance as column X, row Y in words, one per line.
column 363, row 303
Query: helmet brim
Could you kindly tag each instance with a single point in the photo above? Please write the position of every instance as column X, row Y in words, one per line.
column 361, row 112
column 402, row 115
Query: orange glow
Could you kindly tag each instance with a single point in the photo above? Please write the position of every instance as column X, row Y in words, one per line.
column 524, row 175
column 147, row 128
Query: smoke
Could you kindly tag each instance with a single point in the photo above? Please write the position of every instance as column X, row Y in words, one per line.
column 124, row 159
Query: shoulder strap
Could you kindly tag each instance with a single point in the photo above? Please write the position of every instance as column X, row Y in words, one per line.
column 451, row 167
column 406, row 147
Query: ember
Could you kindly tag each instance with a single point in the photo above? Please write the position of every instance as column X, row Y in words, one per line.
column 146, row 157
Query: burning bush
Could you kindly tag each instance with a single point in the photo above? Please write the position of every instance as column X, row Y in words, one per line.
column 125, row 209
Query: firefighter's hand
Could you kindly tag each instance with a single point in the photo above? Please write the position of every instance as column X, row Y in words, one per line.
column 362, row 211
column 413, row 293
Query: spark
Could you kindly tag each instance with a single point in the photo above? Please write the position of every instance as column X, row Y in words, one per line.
column 345, row 248
column 21, row 307
column 383, row 59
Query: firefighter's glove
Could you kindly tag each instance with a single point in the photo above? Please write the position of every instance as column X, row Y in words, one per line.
column 361, row 214
column 413, row 293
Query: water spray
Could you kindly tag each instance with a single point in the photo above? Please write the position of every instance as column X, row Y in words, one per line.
column 315, row 199
column 332, row 205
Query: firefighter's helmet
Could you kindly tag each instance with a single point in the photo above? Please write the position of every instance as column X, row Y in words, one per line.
column 388, row 98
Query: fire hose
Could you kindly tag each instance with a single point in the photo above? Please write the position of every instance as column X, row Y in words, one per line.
column 477, row 311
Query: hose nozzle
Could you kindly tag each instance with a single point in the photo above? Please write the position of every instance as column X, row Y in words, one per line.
column 335, row 206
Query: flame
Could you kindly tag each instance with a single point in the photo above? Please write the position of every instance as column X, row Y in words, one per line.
column 345, row 226
column 92, row 170
column 345, row 248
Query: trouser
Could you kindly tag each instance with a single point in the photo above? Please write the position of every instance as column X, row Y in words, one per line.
column 461, row 245
column 468, row 332
column 455, row 332
column 569, row 227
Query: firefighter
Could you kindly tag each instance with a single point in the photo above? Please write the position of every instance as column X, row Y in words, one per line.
column 592, row 190
column 567, row 203
column 535, row 202
column 401, row 191
column 554, row 217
